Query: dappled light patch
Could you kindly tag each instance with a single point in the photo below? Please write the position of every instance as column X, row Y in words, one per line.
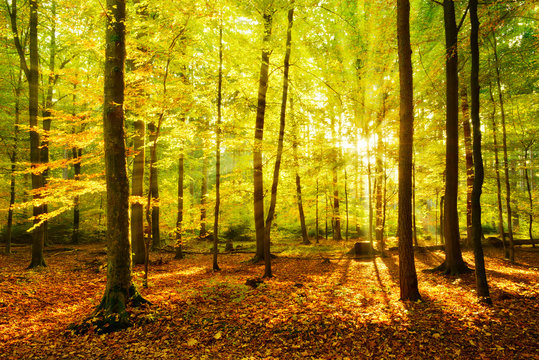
column 310, row 309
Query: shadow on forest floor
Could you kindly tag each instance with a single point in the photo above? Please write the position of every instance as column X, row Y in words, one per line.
column 310, row 309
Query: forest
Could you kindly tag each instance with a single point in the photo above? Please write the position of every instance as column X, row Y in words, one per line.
column 269, row 179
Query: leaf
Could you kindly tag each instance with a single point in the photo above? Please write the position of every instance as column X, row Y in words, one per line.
column 192, row 342
column 218, row 335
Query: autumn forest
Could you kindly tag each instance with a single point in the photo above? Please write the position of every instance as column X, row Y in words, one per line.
column 269, row 179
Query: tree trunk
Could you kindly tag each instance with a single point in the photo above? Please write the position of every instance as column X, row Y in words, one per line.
column 179, row 218
column 336, row 221
column 346, row 200
column 469, row 163
column 407, row 273
column 498, row 181
column 454, row 263
column 218, row 152
column 273, row 202
column 32, row 76
column 154, row 187
column 480, row 274
column 13, row 160
column 369, row 177
column 137, row 189
column 75, row 236
column 530, row 197
column 379, row 172
column 120, row 288
column 258, row 175
column 317, row 233
column 304, row 235
column 414, row 227
column 203, row 195
column 505, row 161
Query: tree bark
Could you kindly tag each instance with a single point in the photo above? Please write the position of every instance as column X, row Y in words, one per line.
column 530, row 197
column 497, row 168
column 218, row 152
column 505, row 161
column 137, row 189
column 203, row 195
column 13, row 160
column 275, row 184
column 75, row 236
column 179, row 215
column 469, row 163
column 120, row 288
column 154, row 186
column 304, row 235
column 454, row 263
column 407, row 273
column 480, row 274
column 258, row 175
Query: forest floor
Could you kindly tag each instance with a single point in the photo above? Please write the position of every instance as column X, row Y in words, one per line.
column 311, row 309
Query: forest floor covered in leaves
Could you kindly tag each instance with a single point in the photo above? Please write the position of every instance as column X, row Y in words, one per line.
column 311, row 309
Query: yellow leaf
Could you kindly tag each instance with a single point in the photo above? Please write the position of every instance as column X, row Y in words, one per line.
column 218, row 335
column 192, row 342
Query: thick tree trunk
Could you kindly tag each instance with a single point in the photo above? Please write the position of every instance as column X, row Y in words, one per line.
column 505, row 160
column 275, row 184
column 480, row 274
column 137, row 189
column 35, row 153
column 120, row 288
column 469, row 163
column 258, row 175
column 407, row 273
column 154, row 187
column 218, row 153
column 454, row 263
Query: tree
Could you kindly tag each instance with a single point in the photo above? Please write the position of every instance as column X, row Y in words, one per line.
column 407, row 274
column 32, row 76
column 137, row 190
column 480, row 275
column 275, row 184
column 454, row 263
column 120, row 290
column 258, row 178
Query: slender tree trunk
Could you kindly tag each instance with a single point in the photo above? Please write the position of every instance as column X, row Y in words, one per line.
column 469, row 163
column 47, row 112
column 369, row 177
column 304, row 235
column 407, row 273
column 530, row 197
column 218, row 153
column 258, row 175
column 326, row 193
column 346, row 200
column 203, row 196
column 454, row 263
column 414, row 227
column 336, row 214
column 179, row 217
column 497, row 168
column 379, row 172
column 442, row 217
column 137, row 189
column 505, row 161
column 154, row 187
column 13, row 159
column 120, row 289
column 271, row 212
column 480, row 274
column 75, row 236
column 316, row 220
